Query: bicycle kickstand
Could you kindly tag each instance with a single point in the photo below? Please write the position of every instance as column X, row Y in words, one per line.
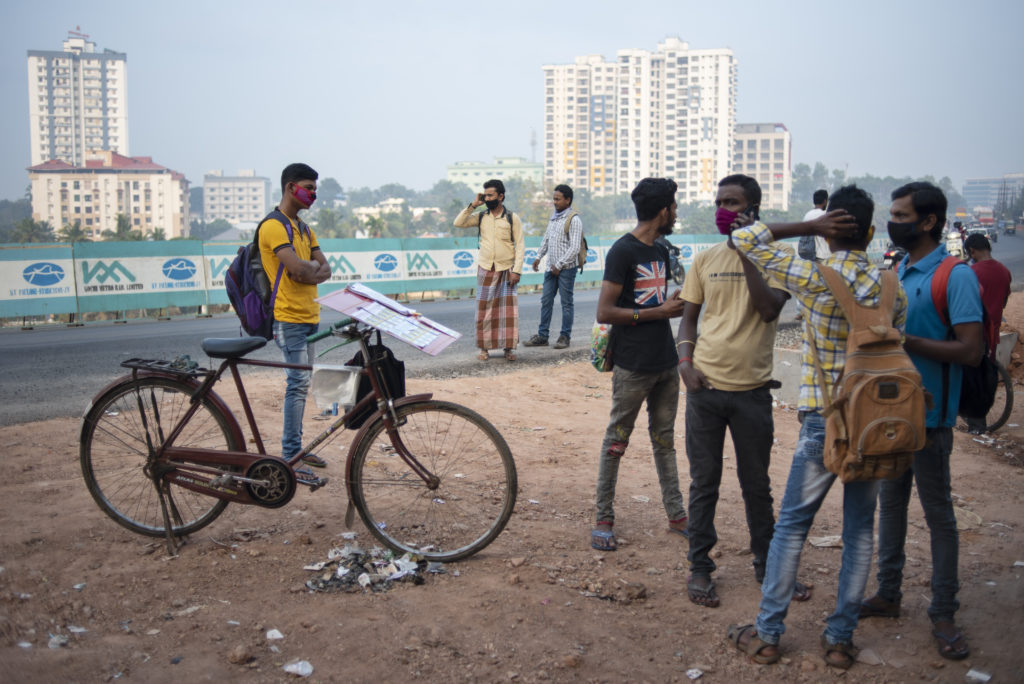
column 172, row 545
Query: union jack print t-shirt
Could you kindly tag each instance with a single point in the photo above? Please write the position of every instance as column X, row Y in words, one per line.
column 642, row 270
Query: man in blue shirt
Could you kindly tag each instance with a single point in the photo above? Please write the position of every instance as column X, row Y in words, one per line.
column 938, row 351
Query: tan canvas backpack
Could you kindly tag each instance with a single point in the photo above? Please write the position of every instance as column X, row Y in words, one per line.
column 875, row 415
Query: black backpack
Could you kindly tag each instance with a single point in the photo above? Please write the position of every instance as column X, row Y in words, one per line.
column 392, row 371
column 248, row 287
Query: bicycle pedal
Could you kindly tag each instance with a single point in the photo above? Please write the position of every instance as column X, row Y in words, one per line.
column 313, row 484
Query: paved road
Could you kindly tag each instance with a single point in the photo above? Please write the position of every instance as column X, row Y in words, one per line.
column 55, row 371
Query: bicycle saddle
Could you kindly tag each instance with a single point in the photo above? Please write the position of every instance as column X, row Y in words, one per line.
column 231, row 347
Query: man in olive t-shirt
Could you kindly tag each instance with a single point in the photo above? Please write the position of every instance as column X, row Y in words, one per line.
column 727, row 371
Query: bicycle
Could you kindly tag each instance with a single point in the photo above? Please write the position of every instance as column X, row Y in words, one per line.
column 162, row 454
column 1003, row 404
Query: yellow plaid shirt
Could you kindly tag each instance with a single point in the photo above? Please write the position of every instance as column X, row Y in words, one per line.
column 822, row 313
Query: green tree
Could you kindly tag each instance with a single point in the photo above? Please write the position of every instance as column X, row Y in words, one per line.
column 328, row 222
column 27, row 230
column 73, row 233
column 158, row 235
column 328, row 190
column 12, row 211
column 216, row 227
column 123, row 231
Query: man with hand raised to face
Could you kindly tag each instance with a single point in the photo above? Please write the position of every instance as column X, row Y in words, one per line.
column 296, row 313
column 727, row 371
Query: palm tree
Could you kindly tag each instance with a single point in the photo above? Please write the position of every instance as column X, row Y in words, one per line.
column 27, row 230
column 158, row 234
column 74, row 233
column 123, row 231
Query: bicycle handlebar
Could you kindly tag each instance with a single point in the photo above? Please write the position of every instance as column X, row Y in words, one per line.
column 329, row 331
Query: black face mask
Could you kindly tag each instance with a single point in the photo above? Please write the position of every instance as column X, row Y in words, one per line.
column 492, row 204
column 903, row 235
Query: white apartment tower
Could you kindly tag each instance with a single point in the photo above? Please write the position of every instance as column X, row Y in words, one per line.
column 243, row 198
column 77, row 101
column 764, row 152
column 669, row 112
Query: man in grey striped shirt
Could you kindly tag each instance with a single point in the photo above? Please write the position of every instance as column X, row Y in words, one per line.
column 562, row 246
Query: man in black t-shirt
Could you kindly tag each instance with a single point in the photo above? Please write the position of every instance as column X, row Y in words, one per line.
column 634, row 299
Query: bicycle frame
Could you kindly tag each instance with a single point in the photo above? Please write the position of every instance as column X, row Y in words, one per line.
column 201, row 469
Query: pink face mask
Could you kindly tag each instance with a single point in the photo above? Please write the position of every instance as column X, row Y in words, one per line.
column 724, row 219
column 304, row 196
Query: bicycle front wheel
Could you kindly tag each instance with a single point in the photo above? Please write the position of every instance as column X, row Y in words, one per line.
column 118, row 433
column 469, row 457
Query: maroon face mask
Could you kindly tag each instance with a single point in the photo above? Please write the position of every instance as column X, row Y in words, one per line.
column 724, row 219
column 304, row 196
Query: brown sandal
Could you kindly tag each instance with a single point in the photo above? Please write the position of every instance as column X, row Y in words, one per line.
column 841, row 655
column 754, row 646
column 510, row 355
column 483, row 355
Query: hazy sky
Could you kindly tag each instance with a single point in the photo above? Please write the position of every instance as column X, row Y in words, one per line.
column 379, row 92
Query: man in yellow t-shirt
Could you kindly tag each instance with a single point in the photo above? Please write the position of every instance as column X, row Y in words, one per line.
column 296, row 313
column 727, row 371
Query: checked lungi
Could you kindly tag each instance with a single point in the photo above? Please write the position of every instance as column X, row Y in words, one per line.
column 497, row 310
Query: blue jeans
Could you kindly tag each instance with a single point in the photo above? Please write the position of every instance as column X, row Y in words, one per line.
column 808, row 483
column 563, row 283
column 291, row 338
column 629, row 391
column 931, row 471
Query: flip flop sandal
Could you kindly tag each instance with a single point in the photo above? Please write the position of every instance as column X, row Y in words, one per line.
column 700, row 593
column 947, row 649
column 841, row 655
column 314, row 460
column 801, row 592
column 679, row 527
column 603, row 540
column 483, row 355
column 510, row 355
column 755, row 645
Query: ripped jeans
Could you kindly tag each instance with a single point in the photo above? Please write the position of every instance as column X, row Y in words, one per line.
column 629, row 391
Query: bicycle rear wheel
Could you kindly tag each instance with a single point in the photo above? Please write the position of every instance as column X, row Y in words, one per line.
column 115, row 447
column 473, row 501
column 1003, row 405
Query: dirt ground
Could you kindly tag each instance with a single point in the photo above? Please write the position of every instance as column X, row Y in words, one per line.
column 538, row 604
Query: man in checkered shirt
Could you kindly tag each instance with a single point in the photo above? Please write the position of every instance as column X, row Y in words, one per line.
column 847, row 226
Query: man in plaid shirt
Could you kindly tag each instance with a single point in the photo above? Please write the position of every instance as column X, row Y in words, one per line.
column 848, row 228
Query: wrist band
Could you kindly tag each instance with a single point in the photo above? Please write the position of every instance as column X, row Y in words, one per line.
column 636, row 316
column 685, row 342
column 684, row 360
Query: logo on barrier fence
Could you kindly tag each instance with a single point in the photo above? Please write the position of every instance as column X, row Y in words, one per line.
column 530, row 256
column 462, row 259
column 43, row 273
column 419, row 261
column 685, row 251
column 339, row 264
column 385, row 262
column 179, row 269
column 591, row 255
column 102, row 272
column 218, row 267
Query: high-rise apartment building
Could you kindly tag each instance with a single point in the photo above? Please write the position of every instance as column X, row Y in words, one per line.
column 107, row 184
column 77, row 101
column 986, row 192
column 668, row 112
column 763, row 152
column 237, row 199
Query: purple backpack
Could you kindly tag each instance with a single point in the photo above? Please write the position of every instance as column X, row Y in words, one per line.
column 248, row 287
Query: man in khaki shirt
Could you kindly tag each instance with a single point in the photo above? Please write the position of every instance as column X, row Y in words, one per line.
column 499, row 267
column 727, row 371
